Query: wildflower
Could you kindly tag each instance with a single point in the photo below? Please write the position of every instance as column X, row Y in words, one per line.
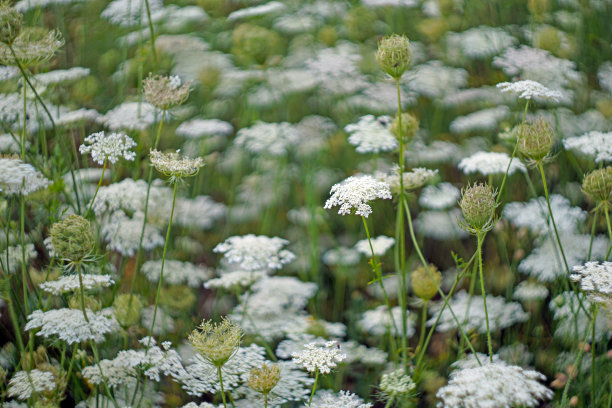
column 487, row 163
column 396, row 384
column 372, row 134
column 264, row 379
column 598, row 144
column 536, row 140
column 598, row 185
column 165, row 92
column 425, row 283
column 72, row 238
column 255, row 252
column 571, row 321
column 123, row 234
column 216, row 342
column 26, row 383
column 355, row 192
column 234, row 280
column 493, row 384
column 318, row 357
column 528, row 291
column 111, row 147
column 478, row 207
column 70, row 283
column 479, row 42
column 11, row 22
column 33, row 46
column 380, row 244
column 434, row 80
column 176, row 272
column 12, row 256
column 440, row 225
column 174, row 166
column 529, row 89
column 394, row 55
column 130, row 116
column 17, row 177
column 595, row 280
column 275, row 139
column 198, row 128
column 439, row 197
column 481, row 121
column 344, row 399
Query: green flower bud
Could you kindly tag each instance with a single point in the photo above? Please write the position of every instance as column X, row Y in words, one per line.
column 216, row 342
column 11, row 22
column 265, row 378
column 127, row 315
column 425, row 281
column 536, row 140
column 410, row 125
column 72, row 238
column 598, row 185
column 394, row 55
column 478, row 206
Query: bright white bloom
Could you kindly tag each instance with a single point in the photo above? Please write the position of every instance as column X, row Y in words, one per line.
column 372, row 134
column 70, row 283
column 571, row 322
column 176, row 272
column 108, row 147
column 198, row 128
column 127, row 13
column 198, row 212
column 130, row 115
column 597, row 144
column 527, row 291
column 269, row 8
column 533, row 214
column 488, row 163
column 319, row 357
column 255, row 252
column 439, row 197
column 413, row 179
column 128, row 196
column 234, row 280
column 123, row 234
column 596, row 280
column 396, row 383
column 70, row 324
column 378, row 322
column 433, row 79
column 479, row 42
column 493, row 385
column 274, row 294
column 275, row 139
column 24, row 383
column 337, row 69
column 471, row 313
column 529, row 89
column 12, row 256
column 481, row 121
column 355, row 192
column 17, row 177
column 436, row 153
column 440, row 225
column 77, row 116
column 341, row 256
column 344, row 399
column 380, row 244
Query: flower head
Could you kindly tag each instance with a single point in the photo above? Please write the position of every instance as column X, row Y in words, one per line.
column 11, row 22
column 396, row 384
column 596, row 280
column 265, row 378
column 478, row 207
column 72, row 238
column 598, row 185
column 111, row 147
column 33, row 46
column 174, row 166
column 17, row 177
column 165, row 92
column 255, row 252
column 394, row 55
column 319, row 357
column 536, row 140
column 355, row 192
column 529, row 89
column 25, row 383
column 217, row 342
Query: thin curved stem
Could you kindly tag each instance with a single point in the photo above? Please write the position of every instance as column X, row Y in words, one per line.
column 221, row 384
column 503, row 184
column 97, row 188
column 314, row 387
column 484, row 296
column 609, row 229
column 593, row 227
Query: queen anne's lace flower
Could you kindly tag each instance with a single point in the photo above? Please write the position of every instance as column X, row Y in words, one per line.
column 493, row 385
column 488, row 163
column 396, row 383
column 378, row 321
column 255, row 252
column 174, row 166
column 70, row 324
column 344, row 399
column 319, row 357
column 70, row 283
column 270, row 138
column 24, row 383
column 108, row 147
column 123, row 234
column 527, row 291
column 17, row 177
column 379, row 244
column 355, row 192
column 176, row 272
column 596, row 280
column 439, row 197
column 372, row 135
column 529, row 89
column 598, row 144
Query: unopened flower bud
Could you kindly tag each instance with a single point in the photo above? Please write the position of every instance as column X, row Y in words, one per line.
column 536, row 140
column 127, row 314
column 72, row 238
column 478, row 206
column 216, row 342
column 426, row 281
column 410, row 125
column 598, row 185
column 11, row 22
column 394, row 55
column 265, row 378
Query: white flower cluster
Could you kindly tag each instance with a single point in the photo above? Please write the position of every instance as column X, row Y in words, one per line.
column 440, row 225
column 275, row 139
column 344, row 399
column 413, row 179
column 378, row 321
column 59, row 76
column 571, row 321
column 198, row 128
column 25, row 383
column 596, row 280
column 255, row 252
column 490, row 163
column 396, row 383
column 127, row 13
column 130, row 115
column 472, row 313
column 17, row 177
column 177, row 272
column 201, row 212
column 479, row 42
column 318, row 357
column 372, row 134
column 493, row 385
column 480, row 121
column 433, row 79
column 234, row 280
column 341, row 256
column 123, row 234
column 529, row 89
column 128, row 196
column 527, row 291
column 110, row 147
column 174, row 165
column 533, row 215
column 594, row 143
column 12, row 256
column 272, row 294
column 355, row 192
column 70, row 283
column 380, row 245
column 439, row 197
column 70, row 324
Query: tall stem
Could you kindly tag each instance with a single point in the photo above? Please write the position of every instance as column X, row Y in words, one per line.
column 97, row 188
column 152, row 33
column 81, row 291
column 221, row 383
column 484, row 295
column 609, row 229
column 314, row 387
column 593, row 227
column 501, row 189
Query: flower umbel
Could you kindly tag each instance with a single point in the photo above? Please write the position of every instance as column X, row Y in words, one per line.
column 598, row 185
column 536, row 140
column 11, row 22
column 355, row 192
column 174, row 166
column 165, row 92
column 108, row 147
column 478, row 207
column 319, row 357
column 217, row 342
column 265, row 378
column 72, row 238
column 394, row 55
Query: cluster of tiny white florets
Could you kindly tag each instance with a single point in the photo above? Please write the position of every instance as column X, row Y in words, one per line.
column 255, row 252
column 439, row 197
column 355, row 192
column 379, row 244
column 412, row 180
column 529, row 89
column 594, row 143
column 176, row 272
column 344, row 399
column 596, row 280
column 372, row 134
column 319, row 357
column 110, row 147
column 493, row 385
column 17, row 177
column 489, row 163
column 70, row 283
column 24, row 384
column 396, row 383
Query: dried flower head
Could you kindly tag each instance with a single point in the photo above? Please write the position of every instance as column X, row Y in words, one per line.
column 11, row 22
column 165, row 92
column 426, row 281
column 355, row 192
column 174, row 166
column 410, row 125
column 217, row 342
column 478, row 207
column 598, row 185
column 33, row 46
column 72, row 238
column 111, row 147
column 265, row 378
column 536, row 140
column 394, row 55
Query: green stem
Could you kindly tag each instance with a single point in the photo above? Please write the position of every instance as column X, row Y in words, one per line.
column 152, row 33
column 593, row 227
column 484, row 296
column 82, row 295
column 609, row 229
column 314, row 387
column 23, row 130
column 503, row 184
column 221, row 383
column 593, row 368
column 423, row 322
column 97, row 188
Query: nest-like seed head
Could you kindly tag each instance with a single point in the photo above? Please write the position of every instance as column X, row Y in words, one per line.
column 72, row 238
column 217, row 342
column 478, row 205
column 410, row 125
column 265, row 378
column 536, row 140
column 394, row 55
column 598, row 185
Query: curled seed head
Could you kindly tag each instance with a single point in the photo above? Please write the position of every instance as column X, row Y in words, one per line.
column 265, row 378
column 478, row 205
column 72, row 238
column 536, row 140
column 425, row 281
column 598, row 185
column 394, row 55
